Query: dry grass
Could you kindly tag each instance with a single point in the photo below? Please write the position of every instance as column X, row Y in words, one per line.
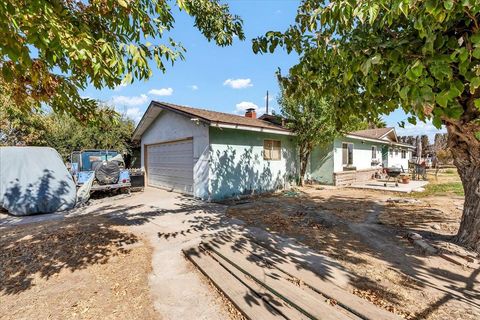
column 77, row 268
column 384, row 268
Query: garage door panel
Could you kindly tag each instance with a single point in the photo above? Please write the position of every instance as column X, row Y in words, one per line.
column 170, row 165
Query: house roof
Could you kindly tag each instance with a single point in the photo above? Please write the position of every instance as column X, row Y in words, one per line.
column 213, row 118
column 377, row 133
column 227, row 120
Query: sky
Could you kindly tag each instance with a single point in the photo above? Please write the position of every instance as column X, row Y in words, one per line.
column 228, row 79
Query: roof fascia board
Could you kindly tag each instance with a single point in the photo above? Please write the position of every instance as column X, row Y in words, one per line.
column 250, row 128
column 351, row 136
column 145, row 116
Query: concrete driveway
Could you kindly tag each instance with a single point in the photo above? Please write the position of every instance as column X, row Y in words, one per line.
column 170, row 222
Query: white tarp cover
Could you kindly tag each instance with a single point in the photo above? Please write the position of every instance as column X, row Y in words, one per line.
column 34, row 180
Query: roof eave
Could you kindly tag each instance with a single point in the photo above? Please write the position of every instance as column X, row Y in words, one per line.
column 353, row 136
column 227, row 125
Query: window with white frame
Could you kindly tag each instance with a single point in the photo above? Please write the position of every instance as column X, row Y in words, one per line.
column 391, row 151
column 374, row 152
column 347, row 154
column 404, row 154
column 272, row 150
column 396, row 152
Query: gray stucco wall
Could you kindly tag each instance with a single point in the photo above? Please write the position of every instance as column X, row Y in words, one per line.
column 171, row 126
column 321, row 164
column 237, row 165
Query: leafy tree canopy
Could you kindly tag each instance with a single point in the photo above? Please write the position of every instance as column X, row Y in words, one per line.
column 62, row 132
column 373, row 56
column 376, row 56
column 49, row 50
column 315, row 121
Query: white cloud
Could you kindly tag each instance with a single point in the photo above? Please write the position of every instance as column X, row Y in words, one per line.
column 120, row 87
column 241, row 107
column 238, row 83
column 194, row 87
column 161, row 92
column 129, row 101
column 135, row 114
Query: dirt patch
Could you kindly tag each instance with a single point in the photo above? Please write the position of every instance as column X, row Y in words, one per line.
column 75, row 268
column 365, row 234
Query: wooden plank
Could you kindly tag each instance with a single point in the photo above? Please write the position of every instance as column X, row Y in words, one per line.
column 286, row 309
column 247, row 301
column 315, row 307
column 283, row 263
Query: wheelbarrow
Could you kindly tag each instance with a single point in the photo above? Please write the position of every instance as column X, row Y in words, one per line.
column 392, row 173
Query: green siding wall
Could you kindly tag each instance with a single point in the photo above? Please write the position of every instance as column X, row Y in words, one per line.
column 237, row 165
column 321, row 164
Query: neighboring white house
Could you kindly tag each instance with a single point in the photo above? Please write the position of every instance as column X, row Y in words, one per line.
column 358, row 156
column 214, row 155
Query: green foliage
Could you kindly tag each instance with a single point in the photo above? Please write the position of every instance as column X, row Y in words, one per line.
column 313, row 119
column 49, row 50
column 376, row 56
column 66, row 134
column 62, row 132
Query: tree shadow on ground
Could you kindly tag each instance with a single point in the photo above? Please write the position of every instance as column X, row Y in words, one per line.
column 44, row 250
column 316, row 223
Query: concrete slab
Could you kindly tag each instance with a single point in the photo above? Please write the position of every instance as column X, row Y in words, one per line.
column 412, row 186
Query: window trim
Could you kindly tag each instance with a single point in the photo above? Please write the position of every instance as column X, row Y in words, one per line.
column 403, row 154
column 279, row 153
column 349, row 163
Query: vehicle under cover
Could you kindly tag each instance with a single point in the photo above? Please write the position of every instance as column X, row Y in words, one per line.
column 34, row 180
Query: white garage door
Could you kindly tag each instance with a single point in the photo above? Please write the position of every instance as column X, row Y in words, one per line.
column 170, row 165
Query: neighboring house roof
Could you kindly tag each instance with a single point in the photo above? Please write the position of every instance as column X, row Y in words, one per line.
column 377, row 133
column 213, row 118
column 383, row 135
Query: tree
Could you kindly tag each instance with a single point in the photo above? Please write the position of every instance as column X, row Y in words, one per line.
column 313, row 119
column 66, row 134
column 376, row 56
column 49, row 50
column 18, row 128
column 425, row 144
column 376, row 123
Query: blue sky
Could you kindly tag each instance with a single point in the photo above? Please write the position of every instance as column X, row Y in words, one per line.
column 228, row 79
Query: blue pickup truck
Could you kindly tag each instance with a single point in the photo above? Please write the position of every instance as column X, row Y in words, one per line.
column 106, row 166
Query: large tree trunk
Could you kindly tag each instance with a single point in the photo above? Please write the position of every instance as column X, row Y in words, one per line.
column 304, row 155
column 465, row 148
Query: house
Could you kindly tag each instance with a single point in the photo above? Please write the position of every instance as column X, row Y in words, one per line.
column 215, row 155
column 358, row 156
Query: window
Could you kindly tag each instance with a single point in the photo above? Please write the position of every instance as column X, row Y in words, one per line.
column 347, row 154
column 396, row 152
column 391, row 152
column 374, row 152
column 272, row 150
column 404, row 154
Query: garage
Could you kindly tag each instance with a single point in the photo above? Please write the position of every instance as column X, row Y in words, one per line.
column 170, row 165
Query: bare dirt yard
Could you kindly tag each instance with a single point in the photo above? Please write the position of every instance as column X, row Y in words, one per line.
column 74, row 268
column 366, row 233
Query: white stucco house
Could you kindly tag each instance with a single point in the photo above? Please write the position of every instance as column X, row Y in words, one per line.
column 214, row 155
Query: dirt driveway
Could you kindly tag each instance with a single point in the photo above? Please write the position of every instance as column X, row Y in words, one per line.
column 119, row 258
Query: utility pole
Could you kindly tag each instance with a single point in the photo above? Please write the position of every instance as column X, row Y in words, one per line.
column 266, row 103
